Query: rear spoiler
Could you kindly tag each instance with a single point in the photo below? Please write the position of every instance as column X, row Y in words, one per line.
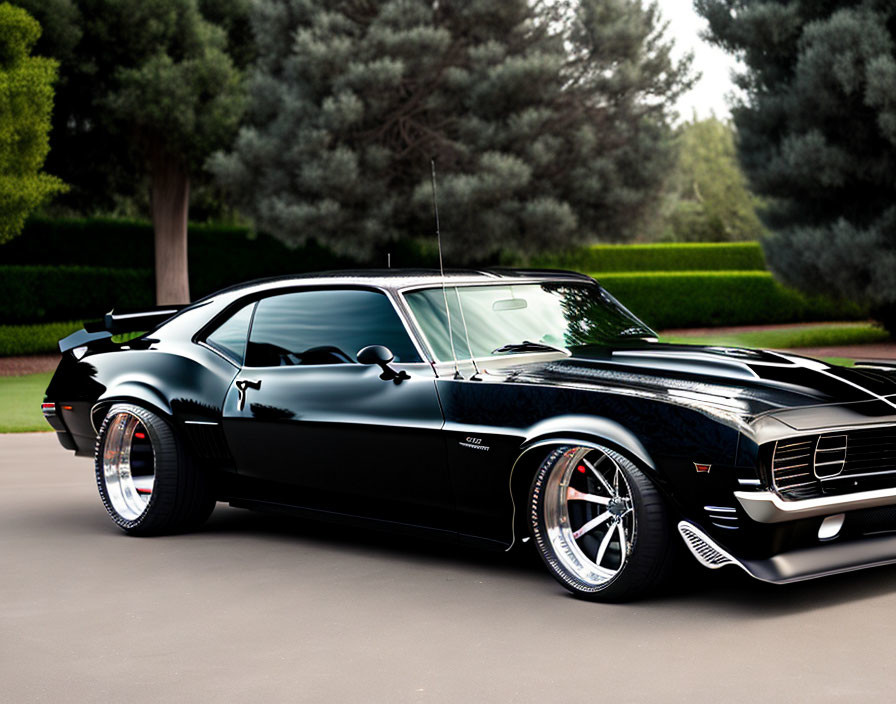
column 118, row 322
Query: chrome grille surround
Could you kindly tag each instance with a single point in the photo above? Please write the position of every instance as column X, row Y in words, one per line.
column 830, row 455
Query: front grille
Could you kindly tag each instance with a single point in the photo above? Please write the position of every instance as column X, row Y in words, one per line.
column 873, row 521
column 871, row 451
column 792, row 463
column 835, row 463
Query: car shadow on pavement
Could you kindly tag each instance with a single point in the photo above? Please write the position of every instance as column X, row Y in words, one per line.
column 370, row 540
column 728, row 592
column 731, row 591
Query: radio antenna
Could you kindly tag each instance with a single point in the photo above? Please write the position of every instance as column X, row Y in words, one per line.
column 435, row 210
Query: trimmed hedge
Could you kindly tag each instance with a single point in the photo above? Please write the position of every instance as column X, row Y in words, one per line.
column 671, row 285
column 34, row 339
column 663, row 299
column 219, row 255
column 691, row 256
column 673, row 299
column 30, row 294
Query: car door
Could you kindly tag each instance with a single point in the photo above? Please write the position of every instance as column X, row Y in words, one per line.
column 315, row 427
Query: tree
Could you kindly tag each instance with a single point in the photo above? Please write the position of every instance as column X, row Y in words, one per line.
column 26, row 101
column 712, row 200
column 148, row 86
column 548, row 122
column 818, row 137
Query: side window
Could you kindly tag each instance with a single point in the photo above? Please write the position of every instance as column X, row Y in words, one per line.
column 325, row 327
column 230, row 336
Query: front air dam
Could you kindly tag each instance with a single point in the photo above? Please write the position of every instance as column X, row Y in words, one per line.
column 795, row 565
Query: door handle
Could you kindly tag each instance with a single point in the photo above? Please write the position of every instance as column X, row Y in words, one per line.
column 241, row 387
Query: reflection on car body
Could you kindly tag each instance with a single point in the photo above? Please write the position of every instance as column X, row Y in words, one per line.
column 489, row 408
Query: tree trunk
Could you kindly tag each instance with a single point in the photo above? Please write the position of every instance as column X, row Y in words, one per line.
column 170, row 208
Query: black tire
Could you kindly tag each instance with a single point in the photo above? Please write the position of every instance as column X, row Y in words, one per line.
column 180, row 498
column 650, row 555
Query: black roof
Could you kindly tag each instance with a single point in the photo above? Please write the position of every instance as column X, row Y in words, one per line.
column 395, row 279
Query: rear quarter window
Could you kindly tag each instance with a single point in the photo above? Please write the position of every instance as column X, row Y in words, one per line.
column 230, row 337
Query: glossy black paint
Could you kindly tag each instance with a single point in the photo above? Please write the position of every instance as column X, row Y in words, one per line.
column 450, row 452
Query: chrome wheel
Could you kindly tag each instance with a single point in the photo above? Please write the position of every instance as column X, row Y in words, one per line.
column 589, row 519
column 128, row 465
column 146, row 479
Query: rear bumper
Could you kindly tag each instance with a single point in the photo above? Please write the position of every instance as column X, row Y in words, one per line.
column 795, row 565
column 62, row 433
column 768, row 507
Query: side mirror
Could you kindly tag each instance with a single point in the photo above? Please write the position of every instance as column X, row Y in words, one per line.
column 381, row 356
column 375, row 354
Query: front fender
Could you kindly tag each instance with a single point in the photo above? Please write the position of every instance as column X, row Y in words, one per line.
column 592, row 431
column 593, row 428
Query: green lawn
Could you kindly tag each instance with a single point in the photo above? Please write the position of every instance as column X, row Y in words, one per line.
column 822, row 335
column 20, row 399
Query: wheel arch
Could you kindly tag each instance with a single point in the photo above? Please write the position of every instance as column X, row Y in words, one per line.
column 136, row 392
column 590, row 431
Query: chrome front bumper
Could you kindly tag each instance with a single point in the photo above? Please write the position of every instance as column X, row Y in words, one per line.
column 768, row 507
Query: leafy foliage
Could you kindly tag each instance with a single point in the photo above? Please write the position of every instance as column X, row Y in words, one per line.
column 26, row 101
column 713, row 202
column 138, row 76
column 818, row 137
column 547, row 122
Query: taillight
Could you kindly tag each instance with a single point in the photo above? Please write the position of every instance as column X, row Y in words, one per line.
column 48, row 409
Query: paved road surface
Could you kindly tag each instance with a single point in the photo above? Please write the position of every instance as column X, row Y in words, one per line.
column 258, row 609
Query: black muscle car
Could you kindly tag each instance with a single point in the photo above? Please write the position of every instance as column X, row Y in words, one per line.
column 485, row 407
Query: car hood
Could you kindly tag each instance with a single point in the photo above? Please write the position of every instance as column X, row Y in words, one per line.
column 744, row 382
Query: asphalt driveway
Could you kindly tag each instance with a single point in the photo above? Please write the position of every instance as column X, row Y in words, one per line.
column 263, row 609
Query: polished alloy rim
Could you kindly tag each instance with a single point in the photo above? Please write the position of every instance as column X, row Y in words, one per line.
column 589, row 515
column 128, row 466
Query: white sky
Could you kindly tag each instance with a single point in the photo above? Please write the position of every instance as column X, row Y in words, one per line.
column 708, row 95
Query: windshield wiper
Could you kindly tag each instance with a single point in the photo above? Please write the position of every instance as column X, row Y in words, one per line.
column 527, row 346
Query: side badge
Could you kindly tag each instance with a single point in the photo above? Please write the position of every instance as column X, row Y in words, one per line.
column 702, row 467
column 473, row 444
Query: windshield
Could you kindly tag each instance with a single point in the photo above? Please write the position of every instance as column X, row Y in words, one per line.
column 504, row 319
